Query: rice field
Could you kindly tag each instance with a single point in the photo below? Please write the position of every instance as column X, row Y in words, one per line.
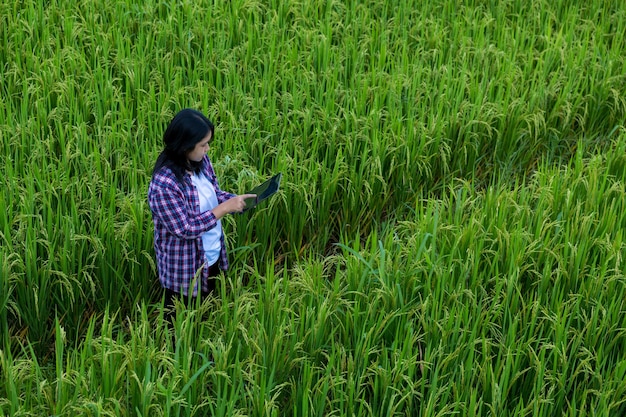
column 448, row 238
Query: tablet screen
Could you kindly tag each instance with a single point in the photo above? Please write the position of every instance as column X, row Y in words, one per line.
column 263, row 191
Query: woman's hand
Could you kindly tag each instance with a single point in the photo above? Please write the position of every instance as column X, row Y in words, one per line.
column 235, row 204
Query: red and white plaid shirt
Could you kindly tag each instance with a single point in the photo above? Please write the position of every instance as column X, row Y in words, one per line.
column 178, row 228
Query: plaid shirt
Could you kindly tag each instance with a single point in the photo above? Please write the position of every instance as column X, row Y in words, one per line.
column 178, row 229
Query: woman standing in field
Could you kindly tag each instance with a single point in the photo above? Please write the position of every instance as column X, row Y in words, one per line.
column 187, row 205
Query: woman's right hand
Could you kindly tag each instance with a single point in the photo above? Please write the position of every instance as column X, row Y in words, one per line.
column 232, row 205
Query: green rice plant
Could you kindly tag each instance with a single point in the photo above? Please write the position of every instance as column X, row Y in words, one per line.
column 509, row 293
column 448, row 236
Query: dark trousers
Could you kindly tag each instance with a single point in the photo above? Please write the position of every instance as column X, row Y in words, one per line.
column 170, row 296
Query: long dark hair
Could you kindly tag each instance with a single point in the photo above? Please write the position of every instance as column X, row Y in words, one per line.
column 186, row 129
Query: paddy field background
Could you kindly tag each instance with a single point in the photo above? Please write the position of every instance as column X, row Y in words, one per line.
column 448, row 238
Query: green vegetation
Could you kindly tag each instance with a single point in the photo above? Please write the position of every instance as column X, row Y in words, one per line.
column 448, row 239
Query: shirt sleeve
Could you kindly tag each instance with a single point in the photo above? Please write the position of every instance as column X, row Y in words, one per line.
column 168, row 205
column 223, row 195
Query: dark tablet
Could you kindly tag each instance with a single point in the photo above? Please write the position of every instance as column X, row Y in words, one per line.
column 263, row 191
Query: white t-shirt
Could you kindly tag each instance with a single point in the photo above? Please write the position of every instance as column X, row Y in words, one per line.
column 208, row 201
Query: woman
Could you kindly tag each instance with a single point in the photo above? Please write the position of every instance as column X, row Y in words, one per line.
column 187, row 205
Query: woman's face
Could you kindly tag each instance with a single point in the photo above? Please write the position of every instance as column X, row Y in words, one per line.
column 201, row 149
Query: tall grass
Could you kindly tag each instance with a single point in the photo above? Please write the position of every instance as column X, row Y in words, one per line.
column 448, row 236
column 479, row 304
